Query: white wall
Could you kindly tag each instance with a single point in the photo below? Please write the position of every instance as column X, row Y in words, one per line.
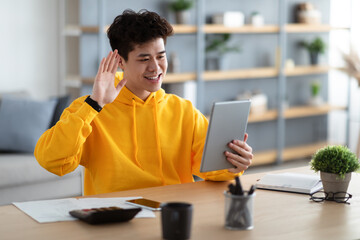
column 344, row 13
column 29, row 46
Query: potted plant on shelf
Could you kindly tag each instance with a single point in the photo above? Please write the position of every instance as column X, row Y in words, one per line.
column 316, row 99
column 314, row 48
column 181, row 9
column 217, row 47
column 335, row 164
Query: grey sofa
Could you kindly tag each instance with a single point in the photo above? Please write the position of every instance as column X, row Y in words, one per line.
column 22, row 121
column 23, row 179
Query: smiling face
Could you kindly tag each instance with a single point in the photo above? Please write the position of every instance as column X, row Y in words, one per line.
column 145, row 68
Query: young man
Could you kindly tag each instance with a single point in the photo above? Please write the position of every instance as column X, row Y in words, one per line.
column 131, row 134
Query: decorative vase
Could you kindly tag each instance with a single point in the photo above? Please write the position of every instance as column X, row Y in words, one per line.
column 257, row 20
column 333, row 183
column 182, row 17
column 214, row 63
column 316, row 101
column 314, row 58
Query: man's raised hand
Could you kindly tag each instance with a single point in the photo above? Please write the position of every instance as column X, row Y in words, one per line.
column 104, row 91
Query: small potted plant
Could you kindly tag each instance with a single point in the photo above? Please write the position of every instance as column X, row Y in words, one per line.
column 335, row 164
column 217, row 47
column 181, row 9
column 314, row 48
column 316, row 99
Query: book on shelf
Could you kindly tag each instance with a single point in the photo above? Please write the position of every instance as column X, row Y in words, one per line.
column 291, row 182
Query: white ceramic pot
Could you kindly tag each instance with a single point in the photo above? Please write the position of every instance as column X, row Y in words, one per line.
column 333, row 183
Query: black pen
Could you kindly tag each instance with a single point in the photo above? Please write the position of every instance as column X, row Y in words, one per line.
column 252, row 189
column 231, row 188
column 238, row 189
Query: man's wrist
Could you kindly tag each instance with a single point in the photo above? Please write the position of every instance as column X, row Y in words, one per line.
column 94, row 104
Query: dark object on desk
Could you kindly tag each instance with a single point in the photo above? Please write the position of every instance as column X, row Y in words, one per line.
column 339, row 197
column 145, row 203
column 238, row 190
column 176, row 218
column 239, row 207
column 239, row 211
column 105, row 215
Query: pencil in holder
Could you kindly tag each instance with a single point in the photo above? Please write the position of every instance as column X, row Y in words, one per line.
column 239, row 211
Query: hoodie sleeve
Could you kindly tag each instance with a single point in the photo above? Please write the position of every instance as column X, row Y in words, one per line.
column 59, row 149
column 199, row 137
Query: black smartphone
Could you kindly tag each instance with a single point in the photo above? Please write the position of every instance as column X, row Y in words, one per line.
column 145, row 203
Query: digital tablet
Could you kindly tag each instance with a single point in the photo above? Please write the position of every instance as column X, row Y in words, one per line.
column 228, row 121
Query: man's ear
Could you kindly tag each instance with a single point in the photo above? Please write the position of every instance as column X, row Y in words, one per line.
column 121, row 63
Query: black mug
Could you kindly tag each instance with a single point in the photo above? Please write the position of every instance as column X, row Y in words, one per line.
column 176, row 220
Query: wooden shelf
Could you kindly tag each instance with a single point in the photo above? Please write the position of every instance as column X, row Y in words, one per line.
column 265, row 157
column 76, row 30
column 290, row 153
column 183, row 29
column 267, row 116
column 295, row 112
column 308, row 111
column 89, row 29
column 307, row 70
column 87, row 80
column 268, row 72
column 170, row 78
column 302, row 151
column 216, row 28
column 179, row 77
column 309, row 28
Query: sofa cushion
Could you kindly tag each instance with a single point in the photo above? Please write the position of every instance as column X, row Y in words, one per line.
column 23, row 169
column 62, row 103
column 22, row 122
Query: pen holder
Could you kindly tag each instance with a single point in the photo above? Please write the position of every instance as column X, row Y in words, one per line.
column 239, row 211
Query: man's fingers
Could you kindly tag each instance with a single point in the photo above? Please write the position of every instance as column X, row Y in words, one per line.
column 101, row 66
column 107, row 61
column 240, row 146
column 109, row 66
column 115, row 64
column 246, row 137
column 121, row 84
column 239, row 158
column 240, row 163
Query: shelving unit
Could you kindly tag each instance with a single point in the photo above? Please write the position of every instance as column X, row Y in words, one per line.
column 301, row 151
column 274, row 118
column 295, row 112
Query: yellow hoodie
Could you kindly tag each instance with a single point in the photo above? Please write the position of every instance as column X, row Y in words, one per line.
column 130, row 144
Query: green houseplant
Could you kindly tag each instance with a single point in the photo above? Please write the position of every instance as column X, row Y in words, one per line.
column 335, row 164
column 217, row 47
column 314, row 48
column 315, row 99
column 181, row 10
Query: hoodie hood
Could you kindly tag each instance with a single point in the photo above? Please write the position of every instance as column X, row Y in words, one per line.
column 127, row 97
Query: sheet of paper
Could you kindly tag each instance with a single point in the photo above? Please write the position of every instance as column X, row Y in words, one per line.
column 57, row 210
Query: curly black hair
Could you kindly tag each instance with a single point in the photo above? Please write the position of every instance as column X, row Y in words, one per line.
column 130, row 29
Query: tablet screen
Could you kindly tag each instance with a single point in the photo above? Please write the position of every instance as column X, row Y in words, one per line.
column 228, row 121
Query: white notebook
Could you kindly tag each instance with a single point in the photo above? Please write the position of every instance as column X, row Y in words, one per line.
column 291, row 182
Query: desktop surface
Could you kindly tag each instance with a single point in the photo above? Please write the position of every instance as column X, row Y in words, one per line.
column 277, row 215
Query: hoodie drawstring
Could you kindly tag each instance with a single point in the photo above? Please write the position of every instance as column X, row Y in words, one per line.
column 135, row 135
column 158, row 139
